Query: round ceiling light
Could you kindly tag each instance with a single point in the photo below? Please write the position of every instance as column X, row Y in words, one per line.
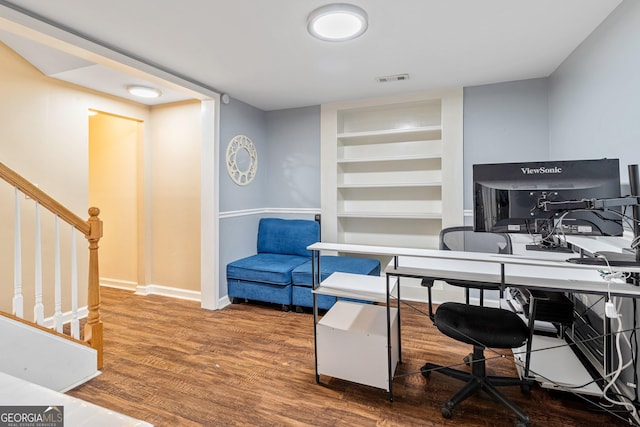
column 337, row 22
column 143, row 91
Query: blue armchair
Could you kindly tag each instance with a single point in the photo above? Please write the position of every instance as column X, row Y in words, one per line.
column 266, row 276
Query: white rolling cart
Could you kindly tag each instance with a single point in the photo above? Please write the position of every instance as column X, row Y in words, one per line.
column 354, row 340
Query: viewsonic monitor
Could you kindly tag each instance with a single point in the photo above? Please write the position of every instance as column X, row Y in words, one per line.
column 508, row 197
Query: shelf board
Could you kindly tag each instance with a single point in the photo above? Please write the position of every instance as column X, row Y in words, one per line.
column 357, row 286
column 392, row 185
column 391, row 215
column 373, row 133
column 391, row 158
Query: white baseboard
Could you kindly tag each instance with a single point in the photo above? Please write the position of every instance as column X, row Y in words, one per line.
column 223, row 302
column 118, row 284
column 168, row 292
column 410, row 292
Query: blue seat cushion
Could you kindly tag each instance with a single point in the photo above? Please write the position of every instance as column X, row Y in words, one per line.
column 269, row 268
column 303, row 297
column 277, row 294
column 287, row 236
column 301, row 275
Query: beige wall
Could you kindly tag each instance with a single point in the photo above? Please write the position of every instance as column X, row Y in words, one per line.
column 44, row 133
column 175, row 195
column 113, row 186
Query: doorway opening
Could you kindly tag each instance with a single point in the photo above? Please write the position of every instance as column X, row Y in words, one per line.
column 115, row 186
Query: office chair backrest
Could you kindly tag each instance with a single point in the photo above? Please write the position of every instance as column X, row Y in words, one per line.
column 467, row 240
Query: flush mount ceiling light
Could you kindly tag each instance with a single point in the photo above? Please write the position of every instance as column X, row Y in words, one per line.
column 337, row 22
column 143, row 91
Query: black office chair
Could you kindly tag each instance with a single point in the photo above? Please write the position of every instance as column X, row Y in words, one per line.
column 465, row 239
column 482, row 327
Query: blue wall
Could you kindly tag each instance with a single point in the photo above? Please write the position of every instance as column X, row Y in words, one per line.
column 294, row 158
column 288, row 176
column 238, row 233
column 594, row 111
column 505, row 122
column 238, row 118
column 594, row 96
column 588, row 108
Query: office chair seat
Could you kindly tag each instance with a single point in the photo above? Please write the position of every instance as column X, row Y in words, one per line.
column 471, row 324
column 482, row 327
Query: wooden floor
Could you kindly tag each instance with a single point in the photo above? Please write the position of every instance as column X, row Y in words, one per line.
column 170, row 363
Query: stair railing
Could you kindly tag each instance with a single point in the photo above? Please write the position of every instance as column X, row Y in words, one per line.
column 92, row 230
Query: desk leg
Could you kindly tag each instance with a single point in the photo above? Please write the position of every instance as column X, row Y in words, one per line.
column 315, row 281
column 389, row 368
column 395, row 262
column 532, row 321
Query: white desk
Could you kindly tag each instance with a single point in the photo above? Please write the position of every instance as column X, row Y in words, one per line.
column 524, row 269
column 527, row 270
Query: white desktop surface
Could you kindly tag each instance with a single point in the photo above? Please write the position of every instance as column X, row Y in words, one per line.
column 531, row 269
column 532, row 258
column 593, row 244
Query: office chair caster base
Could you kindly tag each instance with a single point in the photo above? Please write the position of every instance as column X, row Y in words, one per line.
column 426, row 369
column 468, row 359
column 447, row 410
column 520, row 423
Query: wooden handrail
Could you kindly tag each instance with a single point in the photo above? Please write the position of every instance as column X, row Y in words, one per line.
column 43, row 198
column 92, row 230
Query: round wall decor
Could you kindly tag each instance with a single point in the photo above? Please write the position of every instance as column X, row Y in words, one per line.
column 242, row 160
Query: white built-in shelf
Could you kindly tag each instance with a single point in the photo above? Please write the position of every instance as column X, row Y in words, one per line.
column 391, row 158
column 392, row 185
column 391, row 215
column 390, row 176
column 386, row 132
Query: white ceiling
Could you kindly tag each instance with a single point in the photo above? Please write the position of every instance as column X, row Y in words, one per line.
column 258, row 51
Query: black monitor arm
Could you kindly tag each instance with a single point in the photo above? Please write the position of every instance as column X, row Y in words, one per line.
column 598, row 204
column 605, row 204
column 589, row 204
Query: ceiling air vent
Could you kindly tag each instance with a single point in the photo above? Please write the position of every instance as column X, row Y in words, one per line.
column 394, row 78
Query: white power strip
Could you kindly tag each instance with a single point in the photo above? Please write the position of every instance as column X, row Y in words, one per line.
column 610, row 310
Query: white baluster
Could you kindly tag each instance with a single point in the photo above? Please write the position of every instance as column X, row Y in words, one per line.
column 75, row 322
column 38, row 309
column 57, row 317
column 18, row 304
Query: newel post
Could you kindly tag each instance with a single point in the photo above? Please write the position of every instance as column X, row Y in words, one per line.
column 93, row 327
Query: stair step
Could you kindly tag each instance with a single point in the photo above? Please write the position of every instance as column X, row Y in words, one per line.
column 77, row 412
